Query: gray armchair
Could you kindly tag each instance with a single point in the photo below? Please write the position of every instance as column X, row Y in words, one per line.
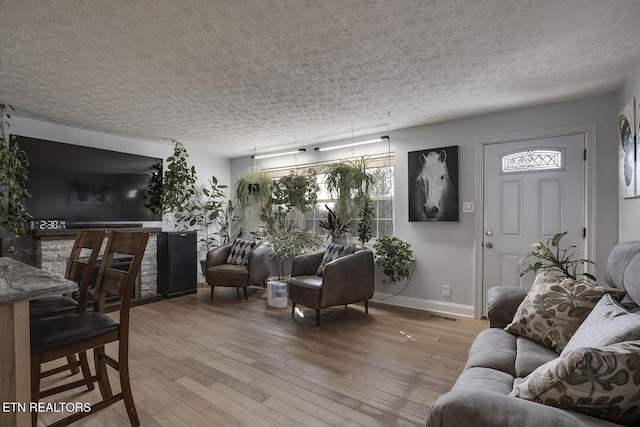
column 346, row 280
column 219, row 273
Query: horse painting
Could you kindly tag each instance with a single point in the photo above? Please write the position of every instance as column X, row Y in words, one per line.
column 435, row 195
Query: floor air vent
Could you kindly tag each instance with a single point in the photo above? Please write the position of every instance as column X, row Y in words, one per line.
column 437, row 316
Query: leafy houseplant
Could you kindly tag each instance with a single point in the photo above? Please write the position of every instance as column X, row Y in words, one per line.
column 350, row 183
column 365, row 226
column 295, row 191
column 253, row 189
column 13, row 176
column 202, row 209
column 177, row 184
column 552, row 258
column 334, row 225
column 394, row 256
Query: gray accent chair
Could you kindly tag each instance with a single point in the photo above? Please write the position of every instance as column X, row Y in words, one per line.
column 346, row 280
column 219, row 273
column 480, row 396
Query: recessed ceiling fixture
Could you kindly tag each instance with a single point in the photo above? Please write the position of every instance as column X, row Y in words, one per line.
column 352, row 144
column 266, row 156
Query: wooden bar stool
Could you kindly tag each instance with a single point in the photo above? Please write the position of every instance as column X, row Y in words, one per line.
column 79, row 270
column 60, row 336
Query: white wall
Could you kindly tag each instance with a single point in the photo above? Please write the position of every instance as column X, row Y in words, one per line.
column 629, row 209
column 206, row 165
column 445, row 252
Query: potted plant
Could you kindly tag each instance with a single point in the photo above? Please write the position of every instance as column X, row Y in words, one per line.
column 350, row 183
column 291, row 193
column 202, row 209
column 253, row 188
column 562, row 262
column 13, row 192
column 365, row 226
column 226, row 220
column 335, row 225
column 393, row 255
column 168, row 195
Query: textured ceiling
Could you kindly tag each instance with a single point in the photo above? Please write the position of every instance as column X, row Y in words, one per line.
column 231, row 76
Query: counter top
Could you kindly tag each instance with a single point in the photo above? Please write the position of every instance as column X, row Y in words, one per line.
column 19, row 281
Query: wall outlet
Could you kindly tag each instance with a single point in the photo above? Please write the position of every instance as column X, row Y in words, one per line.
column 446, row 291
column 468, row 207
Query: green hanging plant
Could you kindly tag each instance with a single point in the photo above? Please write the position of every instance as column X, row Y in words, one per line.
column 13, row 177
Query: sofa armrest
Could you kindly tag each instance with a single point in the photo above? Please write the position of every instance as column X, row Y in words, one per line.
column 502, row 303
column 489, row 409
column 306, row 264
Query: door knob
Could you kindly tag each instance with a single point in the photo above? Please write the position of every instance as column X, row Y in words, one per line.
column 489, row 233
column 488, row 245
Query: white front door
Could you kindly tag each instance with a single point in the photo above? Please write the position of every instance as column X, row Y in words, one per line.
column 532, row 190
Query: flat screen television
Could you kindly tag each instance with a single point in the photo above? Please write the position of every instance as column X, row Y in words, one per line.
column 85, row 186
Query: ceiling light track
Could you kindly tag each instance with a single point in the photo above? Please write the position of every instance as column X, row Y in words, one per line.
column 266, row 156
column 384, row 138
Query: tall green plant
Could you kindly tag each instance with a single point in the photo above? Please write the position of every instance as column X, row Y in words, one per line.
column 13, row 177
column 202, row 210
column 178, row 180
column 365, row 226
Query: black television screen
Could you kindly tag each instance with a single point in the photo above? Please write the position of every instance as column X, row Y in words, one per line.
column 86, row 185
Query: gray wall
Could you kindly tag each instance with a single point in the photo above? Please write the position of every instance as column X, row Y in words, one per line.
column 629, row 209
column 445, row 252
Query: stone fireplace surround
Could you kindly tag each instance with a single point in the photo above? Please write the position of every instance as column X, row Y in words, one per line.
column 49, row 250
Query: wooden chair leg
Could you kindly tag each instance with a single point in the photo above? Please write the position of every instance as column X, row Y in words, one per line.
column 86, row 372
column 212, row 291
column 71, row 360
column 366, row 308
column 101, row 372
column 35, row 386
column 246, row 297
column 318, row 319
column 125, row 385
column 293, row 308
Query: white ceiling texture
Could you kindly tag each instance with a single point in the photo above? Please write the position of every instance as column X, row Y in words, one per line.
column 231, row 77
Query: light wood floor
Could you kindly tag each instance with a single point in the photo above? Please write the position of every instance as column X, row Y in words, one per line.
column 197, row 362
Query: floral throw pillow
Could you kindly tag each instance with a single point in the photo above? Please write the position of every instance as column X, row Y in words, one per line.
column 555, row 307
column 240, row 250
column 601, row 382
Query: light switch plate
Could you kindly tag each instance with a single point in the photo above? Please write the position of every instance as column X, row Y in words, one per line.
column 467, row 207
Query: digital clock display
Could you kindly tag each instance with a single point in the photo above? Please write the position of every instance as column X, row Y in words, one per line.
column 48, row 224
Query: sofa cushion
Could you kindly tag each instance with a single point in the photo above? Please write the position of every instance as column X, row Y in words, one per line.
column 555, row 307
column 240, row 250
column 333, row 252
column 601, row 382
column 493, row 348
column 530, row 355
column 608, row 323
column 484, row 379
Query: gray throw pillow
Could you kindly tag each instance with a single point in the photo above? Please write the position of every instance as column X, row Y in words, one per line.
column 608, row 323
column 333, row 252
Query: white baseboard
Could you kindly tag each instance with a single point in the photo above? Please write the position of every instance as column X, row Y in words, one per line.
column 424, row 304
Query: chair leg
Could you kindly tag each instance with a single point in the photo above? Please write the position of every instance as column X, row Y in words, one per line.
column 246, row 297
column 101, row 372
column 212, row 291
column 317, row 319
column 35, row 386
column 366, row 308
column 125, row 385
column 86, row 372
column 71, row 360
column 293, row 308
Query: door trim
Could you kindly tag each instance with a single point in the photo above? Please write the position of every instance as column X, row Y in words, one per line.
column 589, row 133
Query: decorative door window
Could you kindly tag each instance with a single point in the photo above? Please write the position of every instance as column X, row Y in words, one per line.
column 543, row 159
